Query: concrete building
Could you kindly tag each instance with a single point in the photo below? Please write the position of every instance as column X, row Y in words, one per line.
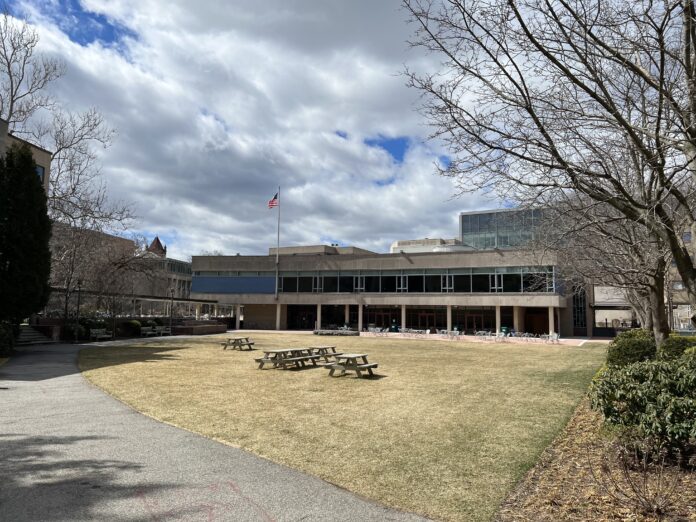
column 480, row 281
column 42, row 157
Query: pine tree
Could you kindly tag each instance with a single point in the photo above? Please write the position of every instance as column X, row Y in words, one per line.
column 25, row 230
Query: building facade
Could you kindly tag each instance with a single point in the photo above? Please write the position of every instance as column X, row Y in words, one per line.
column 482, row 280
column 42, row 157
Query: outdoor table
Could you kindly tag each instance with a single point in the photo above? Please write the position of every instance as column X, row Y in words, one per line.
column 324, row 351
column 356, row 362
column 287, row 356
column 238, row 343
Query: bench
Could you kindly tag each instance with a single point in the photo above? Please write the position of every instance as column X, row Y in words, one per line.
column 162, row 330
column 99, row 333
column 147, row 331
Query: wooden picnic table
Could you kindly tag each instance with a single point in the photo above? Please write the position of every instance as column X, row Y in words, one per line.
column 356, row 362
column 238, row 343
column 326, row 352
column 284, row 357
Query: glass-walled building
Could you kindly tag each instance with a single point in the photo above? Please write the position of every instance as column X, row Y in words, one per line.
column 498, row 229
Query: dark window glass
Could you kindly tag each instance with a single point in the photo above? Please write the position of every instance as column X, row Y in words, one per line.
column 433, row 283
column 462, row 283
column 371, row 283
column 480, row 283
column 289, row 284
column 415, row 283
column 388, row 284
column 40, row 171
column 330, row 283
column 512, row 283
column 304, row 284
column 345, row 284
column 535, row 282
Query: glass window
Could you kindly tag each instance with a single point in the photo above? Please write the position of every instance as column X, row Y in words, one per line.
column 289, row 284
column 433, row 283
column 345, row 283
column 415, row 283
column 480, row 283
column 330, row 283
column 372, row 284
column 512, row 283
column 304, row 284
column 40, row 171
column 462, row 283
column 402, row 283
column 388, row 283
column 536, row 282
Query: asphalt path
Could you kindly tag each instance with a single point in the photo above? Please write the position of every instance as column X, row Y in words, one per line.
column 70, row 452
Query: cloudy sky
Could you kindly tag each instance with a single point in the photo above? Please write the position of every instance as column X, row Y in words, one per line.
column 216, row 104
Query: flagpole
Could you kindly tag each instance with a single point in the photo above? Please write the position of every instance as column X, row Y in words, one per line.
column 277, row 248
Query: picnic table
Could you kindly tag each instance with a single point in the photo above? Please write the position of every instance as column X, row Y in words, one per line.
column 356, row 362
column 325, row 352
column 282, row 358
column 238, row 343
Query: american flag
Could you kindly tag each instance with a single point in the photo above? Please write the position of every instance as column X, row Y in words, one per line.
column 273, row 202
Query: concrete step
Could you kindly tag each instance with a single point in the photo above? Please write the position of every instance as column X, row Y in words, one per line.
column 30, row 336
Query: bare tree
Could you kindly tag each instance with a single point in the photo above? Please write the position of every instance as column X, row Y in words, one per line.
column 596, row 244
column 538, row 98
column 77, row 195
column 25, row 74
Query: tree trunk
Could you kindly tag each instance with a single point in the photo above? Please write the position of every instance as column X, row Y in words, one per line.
column 660, row 323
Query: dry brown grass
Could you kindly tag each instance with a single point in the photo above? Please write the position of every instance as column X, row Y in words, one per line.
column 446, row 430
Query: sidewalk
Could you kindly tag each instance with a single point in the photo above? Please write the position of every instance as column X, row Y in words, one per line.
column 70, row 452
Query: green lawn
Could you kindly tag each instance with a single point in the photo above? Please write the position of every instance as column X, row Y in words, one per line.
column 446, row 430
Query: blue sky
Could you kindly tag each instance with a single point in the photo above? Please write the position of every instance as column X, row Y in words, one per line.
column 215, row 106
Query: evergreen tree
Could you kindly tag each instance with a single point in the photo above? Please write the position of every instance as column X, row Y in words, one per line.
column 25, row 230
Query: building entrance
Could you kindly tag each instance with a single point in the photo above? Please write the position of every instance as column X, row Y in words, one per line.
column 302, row 317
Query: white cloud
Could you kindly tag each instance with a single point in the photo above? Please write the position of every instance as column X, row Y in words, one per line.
column 216, row 106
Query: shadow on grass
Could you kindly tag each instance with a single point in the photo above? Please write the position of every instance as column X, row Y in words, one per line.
column 42, row 480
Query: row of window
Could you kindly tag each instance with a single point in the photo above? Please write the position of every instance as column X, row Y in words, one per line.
column 446, row 283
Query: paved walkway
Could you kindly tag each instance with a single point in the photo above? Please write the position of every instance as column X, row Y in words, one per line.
column 70, row 452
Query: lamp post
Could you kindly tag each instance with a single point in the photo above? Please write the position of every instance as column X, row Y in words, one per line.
column 77, row 315
column 171, row 307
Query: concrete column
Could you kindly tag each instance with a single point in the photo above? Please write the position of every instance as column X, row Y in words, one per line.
column 516, row 323
column 346, row 314
column 278, row 312
column 551, row 319
column 449, row 318
column 360, row 319
column 403, row 316
column 215, row 311
column 237, row 316
column 497, row 318
column 318, row 317
column 198, row 312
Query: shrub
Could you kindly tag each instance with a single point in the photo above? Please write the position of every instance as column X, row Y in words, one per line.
column 151, row 323
column 690, row 352
column 631, row 346
column 131, row 328
column 651, row 400
column 6, row 338
column 674, row 347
